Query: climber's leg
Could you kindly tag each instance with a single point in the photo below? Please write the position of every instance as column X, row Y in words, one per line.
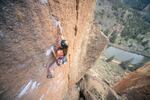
column 51, row 57
column 50, row 70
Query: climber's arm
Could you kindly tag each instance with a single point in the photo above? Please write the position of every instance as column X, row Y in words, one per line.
column 53, row 51
column 59, row 31
column 59, row 36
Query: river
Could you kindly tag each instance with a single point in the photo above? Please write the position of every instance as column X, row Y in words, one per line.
column 122, row 55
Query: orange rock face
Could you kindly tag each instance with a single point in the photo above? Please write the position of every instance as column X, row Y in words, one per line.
column 135, row 86
column 27, row 30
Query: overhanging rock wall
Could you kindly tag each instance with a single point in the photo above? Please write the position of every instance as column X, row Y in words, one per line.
column 26, row 31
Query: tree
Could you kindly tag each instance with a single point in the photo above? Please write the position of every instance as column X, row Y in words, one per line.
column 110, row 59
column 124, row 64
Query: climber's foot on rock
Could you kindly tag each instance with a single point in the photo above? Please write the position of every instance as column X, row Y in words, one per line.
column 50, row 76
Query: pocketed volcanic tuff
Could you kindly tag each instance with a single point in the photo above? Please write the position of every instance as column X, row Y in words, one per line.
column 27, row 30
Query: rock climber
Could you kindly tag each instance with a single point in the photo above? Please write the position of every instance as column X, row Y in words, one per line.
column 59, row 51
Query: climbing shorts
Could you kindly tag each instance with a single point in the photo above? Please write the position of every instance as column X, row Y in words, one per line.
column 61, row 60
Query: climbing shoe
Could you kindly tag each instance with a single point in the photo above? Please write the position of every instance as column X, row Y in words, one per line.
column 50, row 76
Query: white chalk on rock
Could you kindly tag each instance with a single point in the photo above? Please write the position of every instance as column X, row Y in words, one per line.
column 57, row 23
column 31, row 85
column 25, row 89
column 43, row 1
column 48, row 52
column 34, row 85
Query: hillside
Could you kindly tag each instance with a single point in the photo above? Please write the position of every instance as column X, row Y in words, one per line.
column 136, row 4
column 126, row 23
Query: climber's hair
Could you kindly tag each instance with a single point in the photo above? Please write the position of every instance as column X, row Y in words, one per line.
column 64, row 44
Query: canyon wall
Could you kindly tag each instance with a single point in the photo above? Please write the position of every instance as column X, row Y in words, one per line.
column 26, row 32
